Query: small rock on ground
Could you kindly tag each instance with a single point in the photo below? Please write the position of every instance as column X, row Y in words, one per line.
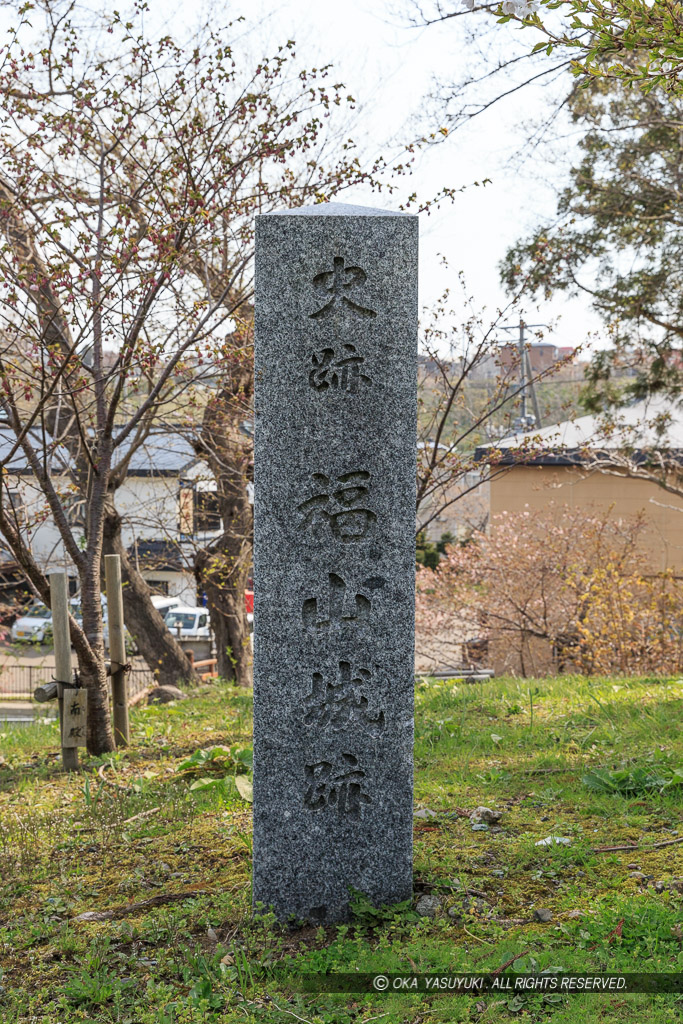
column 542, row 914
column 486, row 815
column 428, row 906
column 165, row 694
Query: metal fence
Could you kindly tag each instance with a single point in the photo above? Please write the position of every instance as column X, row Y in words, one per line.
column 18, row 682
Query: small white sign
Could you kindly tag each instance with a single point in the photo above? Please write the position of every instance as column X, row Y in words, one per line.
column 75, row 719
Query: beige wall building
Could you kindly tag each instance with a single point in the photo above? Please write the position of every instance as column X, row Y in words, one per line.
column 538, row 486
column 456, row 507
column 557, row 465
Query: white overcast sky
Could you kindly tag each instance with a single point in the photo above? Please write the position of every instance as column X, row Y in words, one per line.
column 389, row 67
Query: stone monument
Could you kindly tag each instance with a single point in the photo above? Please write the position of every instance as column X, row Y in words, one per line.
column 334, row 561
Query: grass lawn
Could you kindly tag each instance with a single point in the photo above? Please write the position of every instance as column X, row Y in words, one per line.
column 593, row 761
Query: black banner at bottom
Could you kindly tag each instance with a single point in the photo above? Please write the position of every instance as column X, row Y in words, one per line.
column 504, row 983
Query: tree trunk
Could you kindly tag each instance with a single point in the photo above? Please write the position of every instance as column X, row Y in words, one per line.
column 164, row 656
column 227, row 610
column 222, row 569
column 91, row 668
column 92, row 674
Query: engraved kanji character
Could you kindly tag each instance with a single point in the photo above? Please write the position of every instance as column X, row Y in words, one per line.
column 338, row 613
column 339, row 506
column 337, row 283
column 344, row 374
column 75, row 708
column 342, row 704
column 76, row 731
column 342, row 787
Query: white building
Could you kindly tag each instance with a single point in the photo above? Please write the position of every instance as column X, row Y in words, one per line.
column 167, row 504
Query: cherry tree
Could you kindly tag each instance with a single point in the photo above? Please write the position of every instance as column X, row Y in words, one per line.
column 557, row 587
column 131, row 167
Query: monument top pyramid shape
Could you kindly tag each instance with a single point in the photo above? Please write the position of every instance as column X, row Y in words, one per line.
column 337, row 210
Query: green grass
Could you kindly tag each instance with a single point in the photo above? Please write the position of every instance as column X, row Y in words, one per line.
column 70, row 845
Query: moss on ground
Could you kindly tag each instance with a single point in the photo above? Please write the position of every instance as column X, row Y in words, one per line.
column 138, row 825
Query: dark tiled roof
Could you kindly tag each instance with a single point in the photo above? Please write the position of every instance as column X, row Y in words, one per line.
column 19, row 462
column 569, row 443
column 164, row 453
column 162, row 555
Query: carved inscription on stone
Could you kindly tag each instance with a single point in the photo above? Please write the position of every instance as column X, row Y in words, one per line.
column 335, row 410
column 338, row 288
column 338, row 371
column 336, row 784
column 343, row 703
column 339, row 506
column 340, row 605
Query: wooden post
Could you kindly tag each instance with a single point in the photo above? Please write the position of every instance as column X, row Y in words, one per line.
column 59, row 600
column 117, row 649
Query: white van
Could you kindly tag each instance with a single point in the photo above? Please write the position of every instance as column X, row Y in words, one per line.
column 188, row 622
column 164, row 604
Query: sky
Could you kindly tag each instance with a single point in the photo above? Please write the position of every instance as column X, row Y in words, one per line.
column 390, row 66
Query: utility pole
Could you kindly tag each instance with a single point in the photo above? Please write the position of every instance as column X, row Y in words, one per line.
column 525, row 382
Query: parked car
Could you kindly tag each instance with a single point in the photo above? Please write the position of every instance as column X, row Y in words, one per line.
column 188, row 622
column 165, row 604
column 34, row 626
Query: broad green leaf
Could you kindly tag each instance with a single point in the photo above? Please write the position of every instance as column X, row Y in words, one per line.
column 245, row 787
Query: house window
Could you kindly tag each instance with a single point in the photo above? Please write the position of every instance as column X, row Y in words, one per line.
column 158, row 586
column 18, row 510
column 207, row 513
column 198, row 511
column 186, row 511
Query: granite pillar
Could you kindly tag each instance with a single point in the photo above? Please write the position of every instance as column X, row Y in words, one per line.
column 334, row 559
